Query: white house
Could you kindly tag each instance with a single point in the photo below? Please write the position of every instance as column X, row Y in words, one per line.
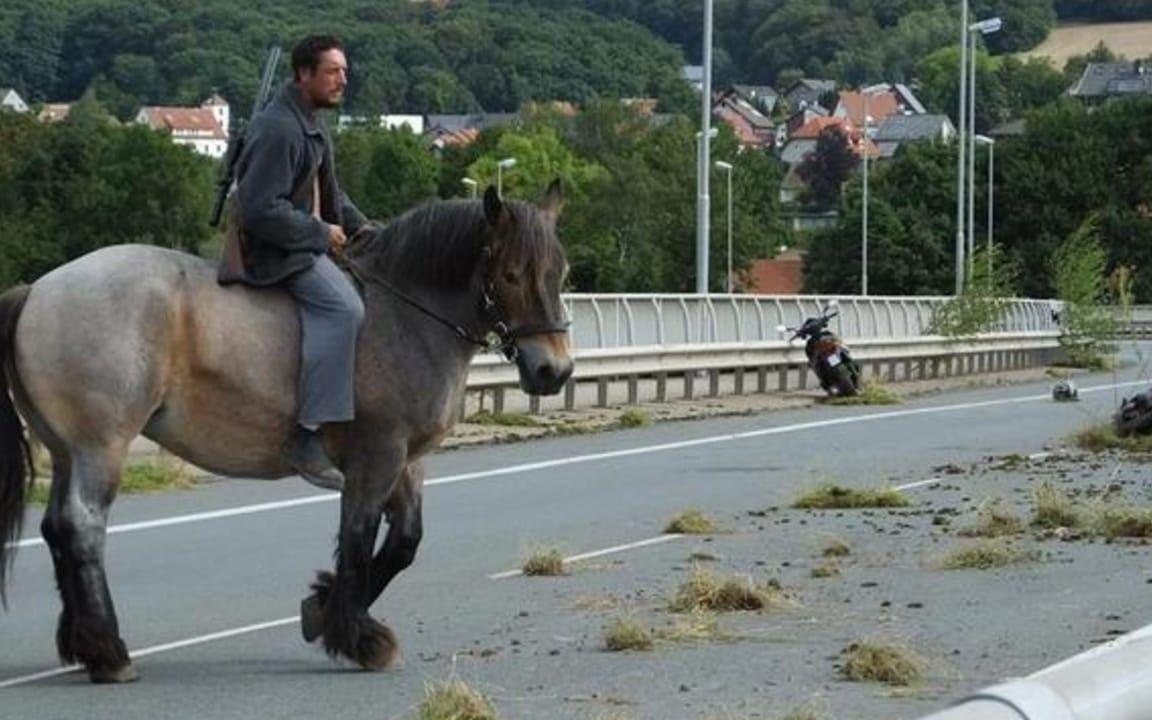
column 204, row 129
column 415, row 123
column 11, row 100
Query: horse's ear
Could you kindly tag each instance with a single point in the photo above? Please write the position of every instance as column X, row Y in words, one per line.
column 553, row 198
column 494, row 208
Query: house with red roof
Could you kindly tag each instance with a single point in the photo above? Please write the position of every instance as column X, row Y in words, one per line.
column 204, row 128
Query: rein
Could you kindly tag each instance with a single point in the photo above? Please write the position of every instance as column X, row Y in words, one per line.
column 505, row 334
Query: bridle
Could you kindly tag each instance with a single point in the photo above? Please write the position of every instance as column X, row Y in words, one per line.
column 490, row 306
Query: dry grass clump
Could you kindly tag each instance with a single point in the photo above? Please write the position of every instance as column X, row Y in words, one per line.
column 1113, row 521
column 634, row 418
column 1053, row 508
column 871, row 393
column 696, row 626
column 544, row 563
column 691, row 522
column 826, row 570
column 809, row 711
column 830, row 496
column 994, row 520
column 1103, row 437
column 882, row 662
column 836, row 549
column 707, row 590
column 985, row 555
column 455, row 700
column 626, row 633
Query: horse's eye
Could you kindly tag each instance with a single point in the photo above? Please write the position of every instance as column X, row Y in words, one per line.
column 511, row 278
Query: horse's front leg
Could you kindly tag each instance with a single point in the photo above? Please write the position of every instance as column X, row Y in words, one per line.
column 340, row 605
column 405, row 529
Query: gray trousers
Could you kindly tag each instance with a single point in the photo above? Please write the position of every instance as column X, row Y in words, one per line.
column 330, row 315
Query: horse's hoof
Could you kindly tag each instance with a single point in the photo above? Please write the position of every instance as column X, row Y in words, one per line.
column 311, row 618
column 113, row 676
column 378, row 648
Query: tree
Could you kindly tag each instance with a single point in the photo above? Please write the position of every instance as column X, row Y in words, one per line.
column 385, row 171
column 910, row 233
column 829, row 166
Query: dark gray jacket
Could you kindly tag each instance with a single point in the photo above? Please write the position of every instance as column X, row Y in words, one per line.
column 285, row 145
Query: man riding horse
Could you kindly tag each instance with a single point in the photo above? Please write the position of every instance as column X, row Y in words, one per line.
column 293, row 216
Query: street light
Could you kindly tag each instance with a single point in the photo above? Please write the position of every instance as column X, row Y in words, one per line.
column 864, row 214
column 961, row 166
column 703, row 203
column 983, row 27
column 727, row 167
column 471, row 184
column 991, row 143
column 500, row 167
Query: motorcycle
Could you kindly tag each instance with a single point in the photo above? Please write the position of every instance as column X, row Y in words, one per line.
column 1134, row 416
column 829, row 358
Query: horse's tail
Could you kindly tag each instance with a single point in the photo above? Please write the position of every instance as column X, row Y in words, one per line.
column 16, row 469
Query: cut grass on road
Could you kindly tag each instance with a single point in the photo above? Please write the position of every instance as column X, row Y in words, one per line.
column 830, row 496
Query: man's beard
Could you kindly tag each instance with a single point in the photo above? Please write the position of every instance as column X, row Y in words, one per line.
column 325, row 102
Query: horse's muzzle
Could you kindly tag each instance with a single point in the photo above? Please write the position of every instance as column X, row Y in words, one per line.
column 542, row 372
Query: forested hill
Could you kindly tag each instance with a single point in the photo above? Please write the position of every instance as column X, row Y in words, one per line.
column 406, row 56
column 465, row 55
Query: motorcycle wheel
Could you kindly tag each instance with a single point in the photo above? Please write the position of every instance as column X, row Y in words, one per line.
column 842, row 381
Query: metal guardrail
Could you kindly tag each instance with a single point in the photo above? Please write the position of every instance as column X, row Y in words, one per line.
column 1111, row 682
column 614, row 321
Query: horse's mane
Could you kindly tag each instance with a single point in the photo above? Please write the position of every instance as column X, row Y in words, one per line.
column 439, row 243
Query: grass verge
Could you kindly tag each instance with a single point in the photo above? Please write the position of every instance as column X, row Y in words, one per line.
column 871, row 393
column 161, row 472
column 487, row 417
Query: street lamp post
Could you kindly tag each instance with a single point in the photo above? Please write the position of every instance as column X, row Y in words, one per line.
column 471, row 185
column 500, row 167
column 864, row 213
column 727, row 167
column 983, row 27
column 963, row 146
column 703, row 204
column 991, row 143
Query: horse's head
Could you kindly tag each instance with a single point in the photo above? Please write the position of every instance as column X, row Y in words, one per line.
column 526, row 269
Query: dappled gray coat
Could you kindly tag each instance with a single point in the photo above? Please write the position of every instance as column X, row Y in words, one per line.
column 285, row 146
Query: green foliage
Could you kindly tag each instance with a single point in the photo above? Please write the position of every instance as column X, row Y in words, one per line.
column 405, row 57
column 70, row 188
column 909, row 235
column 385, row 171
column 829, row 167
column 1079, row 275
column 983, row 304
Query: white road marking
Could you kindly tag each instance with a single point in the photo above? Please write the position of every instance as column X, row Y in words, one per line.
column 594, row 457
column 922, row 483
column 157, row 649
column 597, row 553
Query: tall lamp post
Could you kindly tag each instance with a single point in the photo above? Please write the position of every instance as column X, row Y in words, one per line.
column 864, row 213
column 962, row 166
column 991, row 143
column 703, row 204
column 471, row 185
column 983, row 27
column 501, row 166
column 727, row 167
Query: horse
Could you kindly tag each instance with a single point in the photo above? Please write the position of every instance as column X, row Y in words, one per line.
column 134, row 339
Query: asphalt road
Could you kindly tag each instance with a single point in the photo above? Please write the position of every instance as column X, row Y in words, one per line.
column 534, row 644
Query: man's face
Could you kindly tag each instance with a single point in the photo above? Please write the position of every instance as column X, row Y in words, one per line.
column 325, row 85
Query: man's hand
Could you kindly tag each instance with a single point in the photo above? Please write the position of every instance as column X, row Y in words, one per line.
column 336, row 239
